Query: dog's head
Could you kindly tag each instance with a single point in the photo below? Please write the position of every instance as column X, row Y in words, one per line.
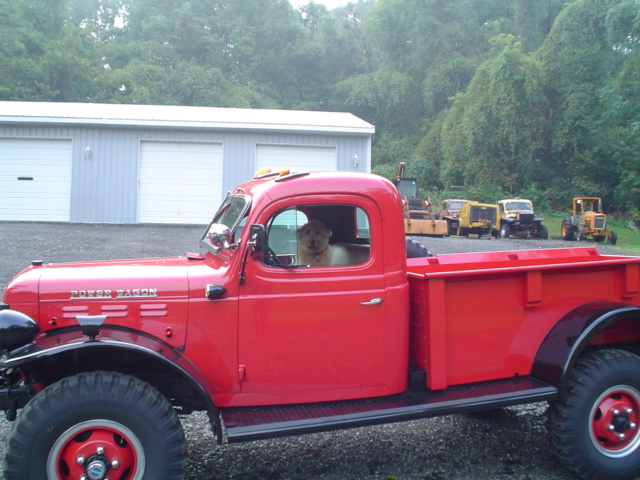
column 313, row 237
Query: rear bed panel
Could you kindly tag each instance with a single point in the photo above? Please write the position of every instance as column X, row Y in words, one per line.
column 482, row 316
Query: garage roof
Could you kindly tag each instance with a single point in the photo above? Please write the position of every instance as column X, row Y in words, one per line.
column 184, row 117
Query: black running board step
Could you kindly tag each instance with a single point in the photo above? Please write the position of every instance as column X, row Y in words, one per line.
column 254, row 423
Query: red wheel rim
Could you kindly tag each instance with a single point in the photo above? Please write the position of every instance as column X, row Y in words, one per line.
column 614, row 422
column 96, row 450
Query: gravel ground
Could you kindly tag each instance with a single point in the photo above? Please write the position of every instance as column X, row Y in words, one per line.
column 509, row 444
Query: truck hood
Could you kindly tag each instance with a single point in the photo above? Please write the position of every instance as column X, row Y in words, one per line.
column 149, row 295
column 159, row 278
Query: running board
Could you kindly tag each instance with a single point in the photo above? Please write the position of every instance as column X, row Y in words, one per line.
column 255, row 423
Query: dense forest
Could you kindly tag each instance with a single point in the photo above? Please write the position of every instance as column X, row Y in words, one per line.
column 481, row 98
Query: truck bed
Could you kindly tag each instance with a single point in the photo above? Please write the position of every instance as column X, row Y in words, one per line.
column 482, row 316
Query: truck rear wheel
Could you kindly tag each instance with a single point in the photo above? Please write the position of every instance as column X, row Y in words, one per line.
column 97, row 425
column 595, row 423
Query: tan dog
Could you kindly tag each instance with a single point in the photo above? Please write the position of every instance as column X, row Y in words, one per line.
column 313, row 245
column 315, row 250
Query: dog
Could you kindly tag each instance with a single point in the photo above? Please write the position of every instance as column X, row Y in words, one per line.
column 313, row 244
column 315, row 250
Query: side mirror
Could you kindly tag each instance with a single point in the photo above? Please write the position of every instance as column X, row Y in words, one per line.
column 257, row 238
column 219, row 235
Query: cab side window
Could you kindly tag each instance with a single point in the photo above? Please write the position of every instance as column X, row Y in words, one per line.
column 319, row 236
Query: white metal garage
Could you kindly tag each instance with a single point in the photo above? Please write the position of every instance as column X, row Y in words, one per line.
column 296, row 157
column 35, row 179
column 179, row 182
column 130, row 164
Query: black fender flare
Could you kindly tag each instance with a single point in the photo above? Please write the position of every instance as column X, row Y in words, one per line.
column 114, row 340
column 568, row 338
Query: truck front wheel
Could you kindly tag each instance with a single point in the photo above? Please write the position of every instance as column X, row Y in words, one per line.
column 97, row 425
column 595, row 423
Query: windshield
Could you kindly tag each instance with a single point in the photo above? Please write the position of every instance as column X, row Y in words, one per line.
column 408, row 188
column 456, row 205
column 233, row 214
column 520, row 205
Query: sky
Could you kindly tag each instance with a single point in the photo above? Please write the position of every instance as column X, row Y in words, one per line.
column 330, row 4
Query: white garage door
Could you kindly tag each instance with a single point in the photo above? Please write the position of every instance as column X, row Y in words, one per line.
column 307, row 159
column 35, row 179
column 179, row 182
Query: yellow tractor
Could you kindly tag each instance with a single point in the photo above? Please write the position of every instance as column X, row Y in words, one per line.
column 418, row 215
column 587, row 220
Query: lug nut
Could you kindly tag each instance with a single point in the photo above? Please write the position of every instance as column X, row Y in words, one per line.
column 115, row 463
column 80, row 460
column 615, row 411
column 611, row 428
column 100, row 450
column 628, row 411
column 621, row 436
column 632, row 426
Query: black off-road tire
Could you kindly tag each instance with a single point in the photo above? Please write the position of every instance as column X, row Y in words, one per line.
column 505, row 230
column 613, row 237
column 543, row 232
column 135, row 424
column 568, row 229
column 416, row 250
column 599, row 403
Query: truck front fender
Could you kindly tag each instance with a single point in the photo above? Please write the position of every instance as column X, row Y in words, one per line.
column 66, row 352
column 566, row 341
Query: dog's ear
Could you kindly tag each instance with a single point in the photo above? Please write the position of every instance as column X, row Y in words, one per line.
column 328, row 230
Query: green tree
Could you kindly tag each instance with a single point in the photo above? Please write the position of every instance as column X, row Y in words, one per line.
column 579, row 62
column 494, row 134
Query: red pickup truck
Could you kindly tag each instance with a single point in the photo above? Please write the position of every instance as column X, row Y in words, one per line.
column 280, row 328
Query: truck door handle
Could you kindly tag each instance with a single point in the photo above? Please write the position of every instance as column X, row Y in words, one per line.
column 373, row 301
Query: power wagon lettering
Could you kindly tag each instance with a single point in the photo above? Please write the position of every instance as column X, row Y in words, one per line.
column 102, row 294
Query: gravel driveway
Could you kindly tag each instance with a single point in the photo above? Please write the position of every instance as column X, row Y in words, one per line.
column 508, row 444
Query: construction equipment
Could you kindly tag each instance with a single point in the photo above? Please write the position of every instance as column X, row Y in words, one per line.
column 517, row 219
column 450, row 212
column 419, row 218
column 587, row 220
column 479, row 219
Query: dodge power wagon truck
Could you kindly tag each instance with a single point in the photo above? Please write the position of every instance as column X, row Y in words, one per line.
column 99, row 358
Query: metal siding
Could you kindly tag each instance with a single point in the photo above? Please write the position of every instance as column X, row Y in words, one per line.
column 106, row 183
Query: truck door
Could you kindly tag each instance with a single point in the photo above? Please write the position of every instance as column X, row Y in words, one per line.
column 312, row 333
